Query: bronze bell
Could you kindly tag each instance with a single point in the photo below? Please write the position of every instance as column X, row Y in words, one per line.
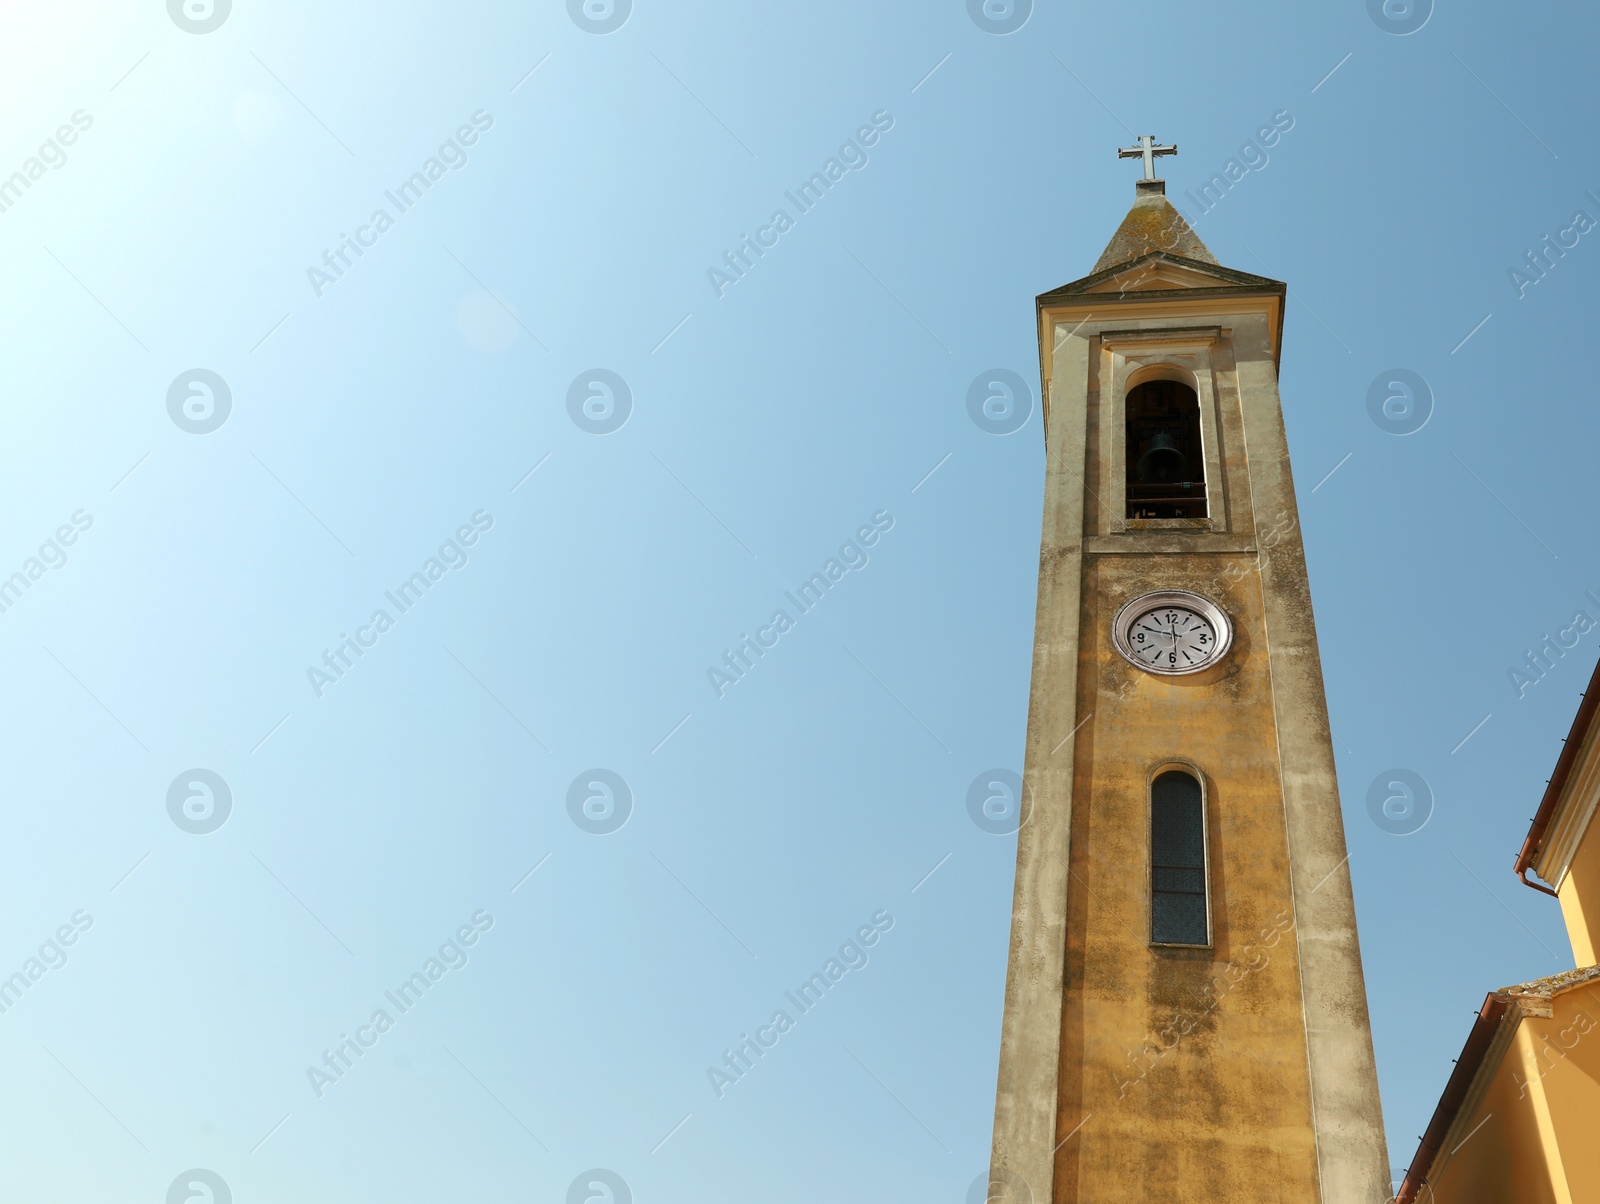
column 1162, row 462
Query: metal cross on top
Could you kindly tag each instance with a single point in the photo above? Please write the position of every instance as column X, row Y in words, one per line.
column 1147, row 150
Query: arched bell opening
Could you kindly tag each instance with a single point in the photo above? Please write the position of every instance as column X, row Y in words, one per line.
column 1166, row 463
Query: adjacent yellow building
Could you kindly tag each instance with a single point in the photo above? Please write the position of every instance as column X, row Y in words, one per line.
column 1520, row 1117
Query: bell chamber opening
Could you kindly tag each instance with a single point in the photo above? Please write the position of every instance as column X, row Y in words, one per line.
column 1166, row 464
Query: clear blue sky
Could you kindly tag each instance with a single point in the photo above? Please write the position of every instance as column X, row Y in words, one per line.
column 371, row 416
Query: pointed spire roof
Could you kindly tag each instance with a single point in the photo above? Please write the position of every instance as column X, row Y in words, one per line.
column 1155, row 257
column 1153, row 224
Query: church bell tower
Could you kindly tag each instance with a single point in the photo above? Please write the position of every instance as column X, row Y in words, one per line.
column 1185, row 1016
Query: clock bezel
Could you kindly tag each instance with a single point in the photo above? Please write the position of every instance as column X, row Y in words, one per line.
column 1135, row 609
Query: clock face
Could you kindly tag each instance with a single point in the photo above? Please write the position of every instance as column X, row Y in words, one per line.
column 1172, row 632
column 1172, row 638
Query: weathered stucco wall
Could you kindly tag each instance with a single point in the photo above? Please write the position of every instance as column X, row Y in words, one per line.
column 1190, row 1065
column 1030, row 1034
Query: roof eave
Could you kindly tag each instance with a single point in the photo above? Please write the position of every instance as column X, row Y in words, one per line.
column 1455, row 1093
column 1557, row 786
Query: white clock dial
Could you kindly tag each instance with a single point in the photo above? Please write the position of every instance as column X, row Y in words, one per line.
column 1172, row 632
column 1172, row 638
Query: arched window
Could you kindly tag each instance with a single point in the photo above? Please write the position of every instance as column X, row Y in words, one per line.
column 1179, row 910
column 1166, row 463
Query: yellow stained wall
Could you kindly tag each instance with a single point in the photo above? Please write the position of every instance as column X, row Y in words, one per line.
column 1580, row 898
column 1534, row 1138
column 1180, row 1097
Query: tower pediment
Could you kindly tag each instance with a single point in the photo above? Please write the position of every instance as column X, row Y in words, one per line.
column 1162, row 283
column 1157, row 271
